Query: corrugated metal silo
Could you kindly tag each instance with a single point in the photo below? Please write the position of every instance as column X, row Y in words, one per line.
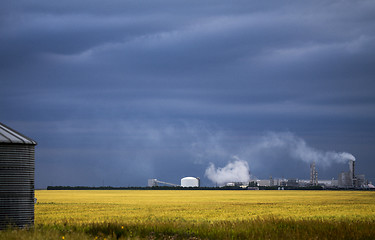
column 17, row 164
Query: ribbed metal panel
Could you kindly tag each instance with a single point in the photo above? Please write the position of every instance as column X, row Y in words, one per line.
column 11, row 136
column 17, row 163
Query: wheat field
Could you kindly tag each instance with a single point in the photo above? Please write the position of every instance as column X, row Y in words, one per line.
column 199, row 214
column 141, row 205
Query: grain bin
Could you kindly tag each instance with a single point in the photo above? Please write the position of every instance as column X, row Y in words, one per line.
column 17, row 164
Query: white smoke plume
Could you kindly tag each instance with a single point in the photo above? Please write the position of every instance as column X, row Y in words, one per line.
column 297, row 148
column 273, row 146
column 235, row 171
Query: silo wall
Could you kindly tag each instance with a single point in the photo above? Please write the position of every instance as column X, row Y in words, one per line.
column 17, row 163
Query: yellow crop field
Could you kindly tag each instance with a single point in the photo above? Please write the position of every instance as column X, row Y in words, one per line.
column 200, row 214
column 146, row 205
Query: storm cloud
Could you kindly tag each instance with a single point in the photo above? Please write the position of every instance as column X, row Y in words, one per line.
column 121, row 91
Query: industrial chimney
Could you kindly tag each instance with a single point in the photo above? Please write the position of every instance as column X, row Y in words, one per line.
column 351, row 169
column 352, row 173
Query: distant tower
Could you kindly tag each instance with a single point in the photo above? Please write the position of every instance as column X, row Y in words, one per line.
column 351, row 168
column 313, row 175
column 351, row 173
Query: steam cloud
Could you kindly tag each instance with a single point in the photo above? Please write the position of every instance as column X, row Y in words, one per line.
column 298, row 149
column 236, row 171
column 272, row 146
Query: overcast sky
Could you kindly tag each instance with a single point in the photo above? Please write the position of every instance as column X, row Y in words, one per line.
column 116, row 92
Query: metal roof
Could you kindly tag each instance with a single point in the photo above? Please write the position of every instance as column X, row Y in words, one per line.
column 10, row 136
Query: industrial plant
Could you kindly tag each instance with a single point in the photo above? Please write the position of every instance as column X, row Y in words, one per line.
column 345, row 180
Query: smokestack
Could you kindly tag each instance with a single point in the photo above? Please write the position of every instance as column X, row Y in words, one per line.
column 351, row 169
column 352, row 173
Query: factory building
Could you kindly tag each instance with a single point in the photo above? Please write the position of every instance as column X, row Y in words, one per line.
column 17, row 164
column 152, row 182
column 263, row 183
column 349, row 179
column 345, row 180
column 267, row 182
column 292, row 183
column 360, row 180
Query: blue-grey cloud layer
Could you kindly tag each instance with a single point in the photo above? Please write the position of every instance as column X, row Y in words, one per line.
column 94, row 82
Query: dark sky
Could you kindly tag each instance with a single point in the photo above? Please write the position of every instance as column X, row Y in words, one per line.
column 117, row 92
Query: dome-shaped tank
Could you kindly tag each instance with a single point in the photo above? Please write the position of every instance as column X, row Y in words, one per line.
column 190, row 182
column 17, row 164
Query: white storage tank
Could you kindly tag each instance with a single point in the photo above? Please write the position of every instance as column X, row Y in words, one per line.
column 190, row 182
